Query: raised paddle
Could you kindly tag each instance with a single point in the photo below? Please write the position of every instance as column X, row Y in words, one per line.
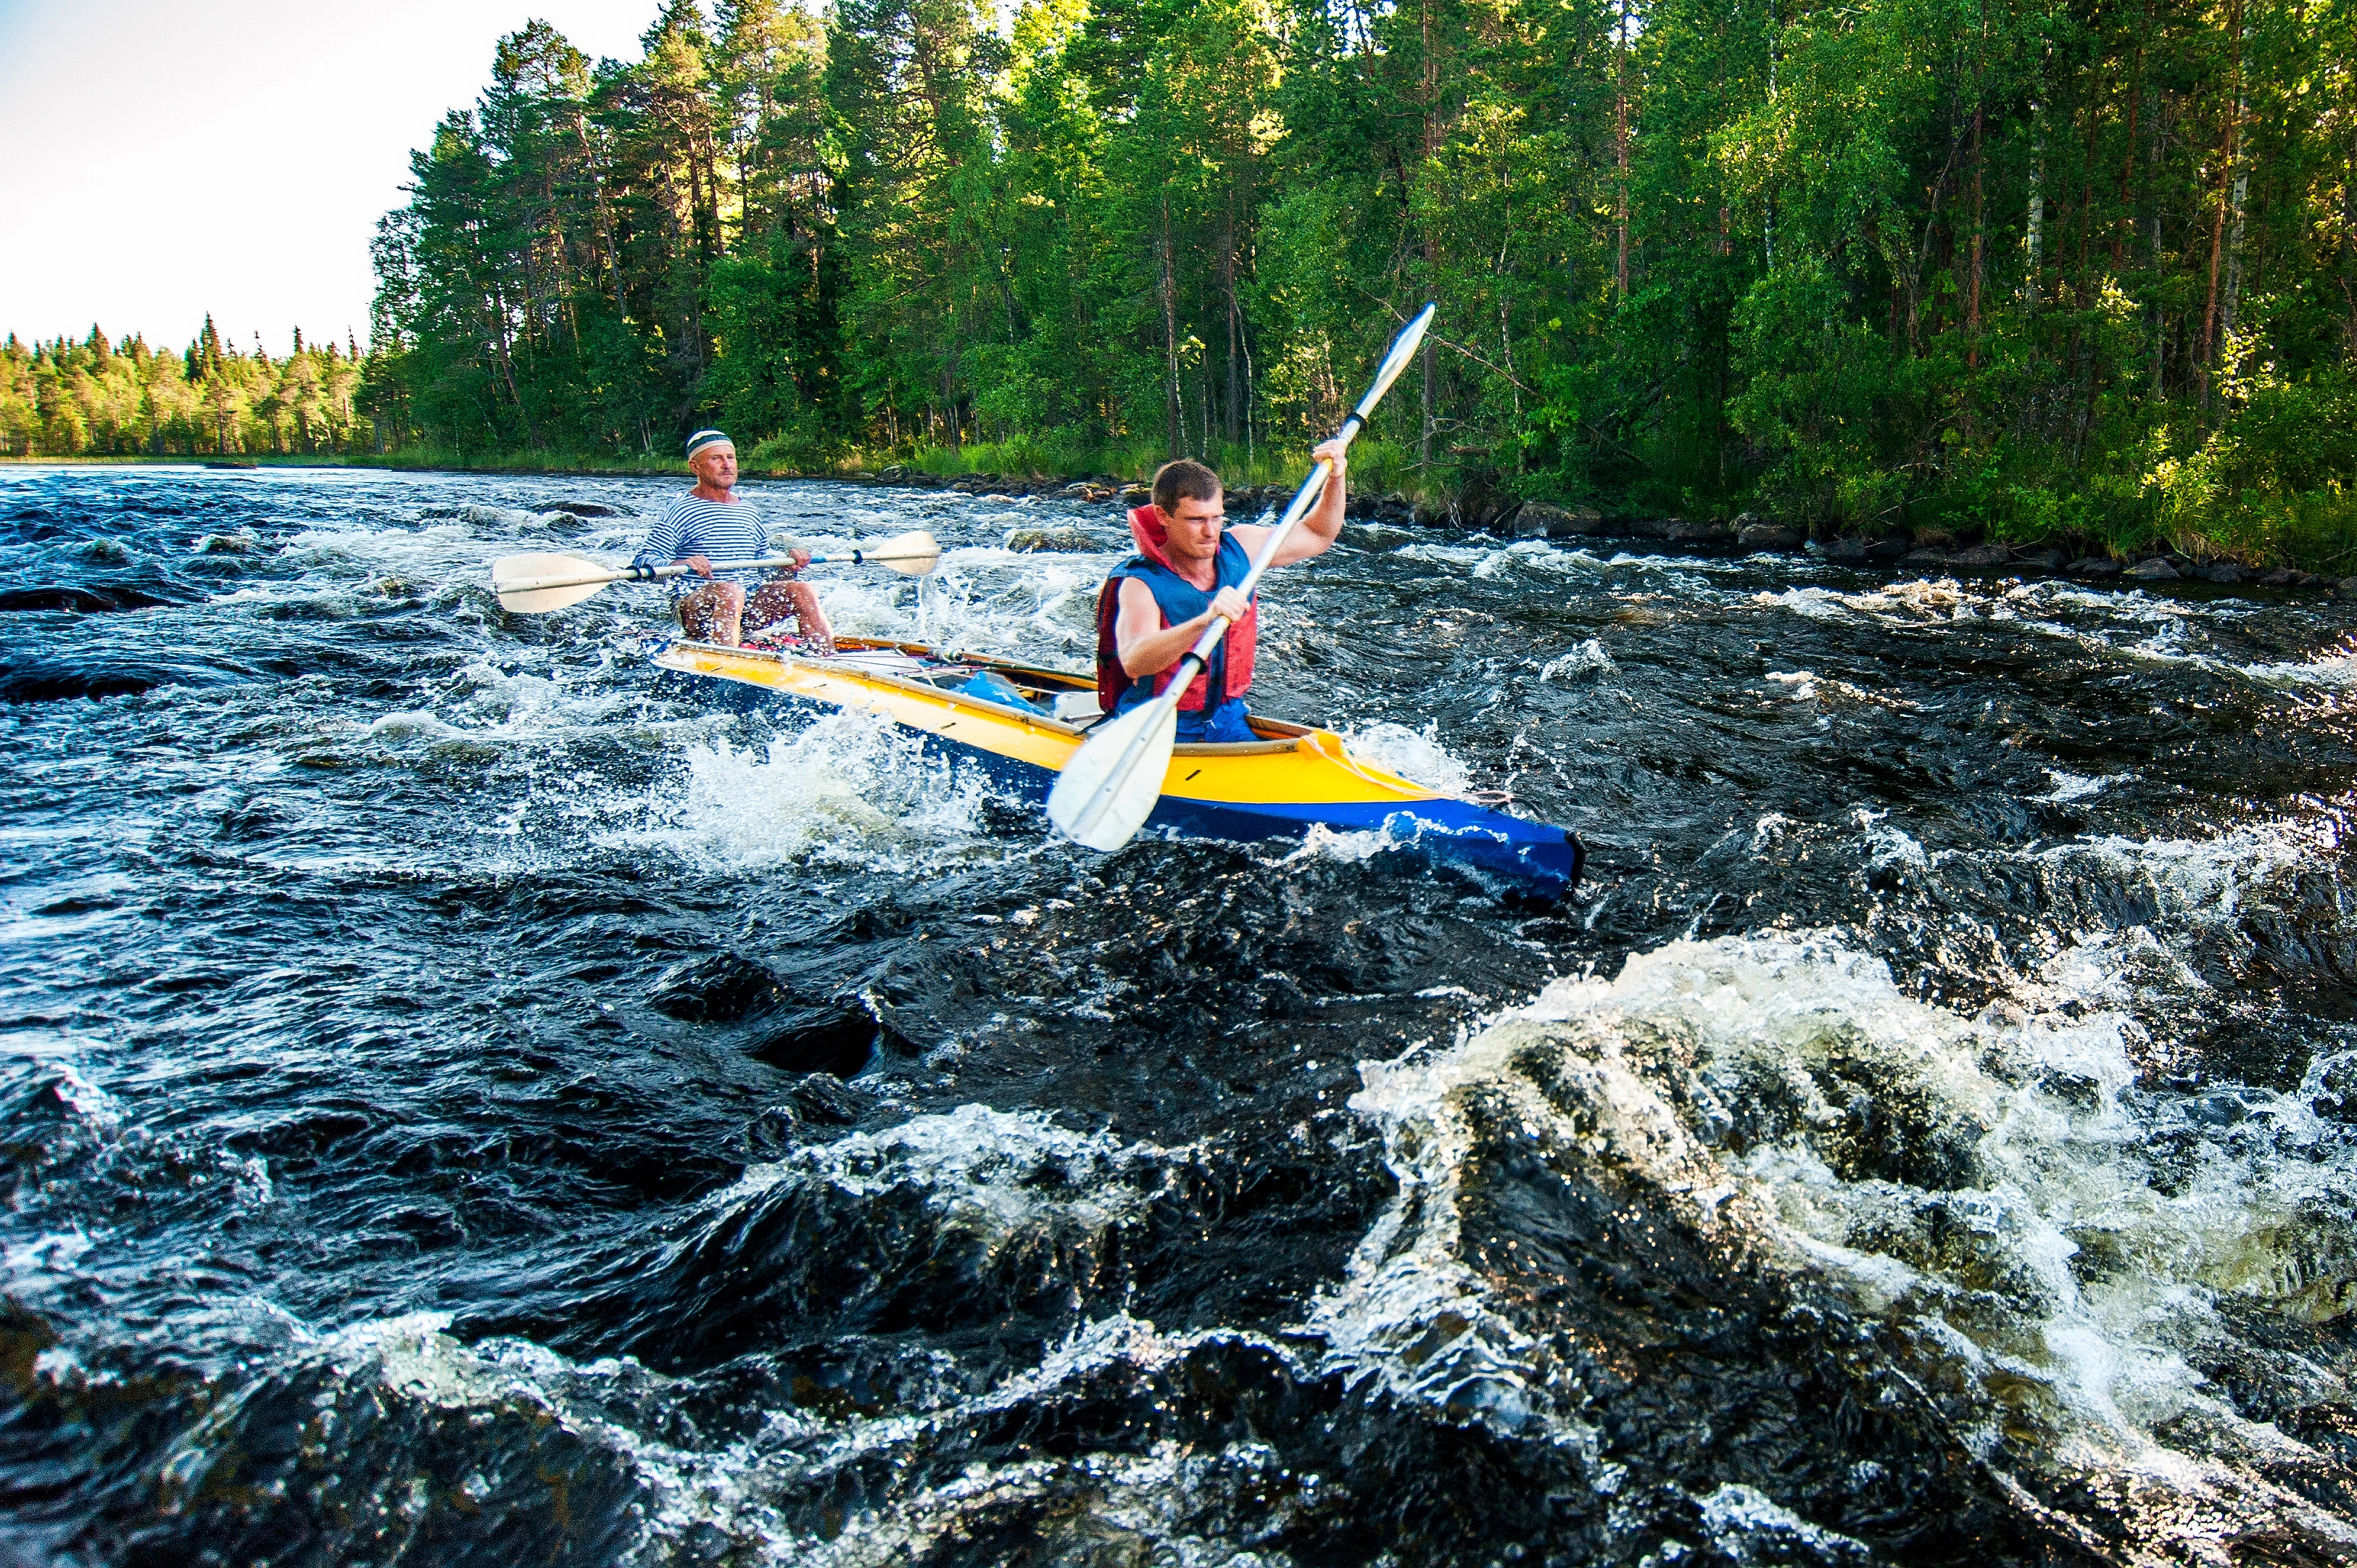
column 1108, row 789
column 536, row 585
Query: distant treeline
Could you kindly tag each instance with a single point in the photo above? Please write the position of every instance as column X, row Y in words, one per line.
column 104, row 398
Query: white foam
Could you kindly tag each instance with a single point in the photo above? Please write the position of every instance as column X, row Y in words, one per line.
column 1587, row 659
column 1415, row 755
column 2075, row 786
column 850, row 790
column 2035, row 1143
column 1743, row 1518
column 1350, row 846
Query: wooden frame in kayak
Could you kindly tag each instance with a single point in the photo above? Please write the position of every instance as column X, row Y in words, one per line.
column 1295, row 776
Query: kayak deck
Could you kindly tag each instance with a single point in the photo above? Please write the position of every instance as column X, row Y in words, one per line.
column 1294, row 777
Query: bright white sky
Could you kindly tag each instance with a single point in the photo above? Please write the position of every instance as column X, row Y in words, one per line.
column 165, row 158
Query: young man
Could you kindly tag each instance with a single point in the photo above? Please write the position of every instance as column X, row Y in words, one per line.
column 712, row 523
column 1185, row 572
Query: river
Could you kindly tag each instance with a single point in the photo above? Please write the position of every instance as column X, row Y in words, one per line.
column 472, row 1097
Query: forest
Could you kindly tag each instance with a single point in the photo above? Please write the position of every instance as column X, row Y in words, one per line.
column 1954, row 267
column 98, row 397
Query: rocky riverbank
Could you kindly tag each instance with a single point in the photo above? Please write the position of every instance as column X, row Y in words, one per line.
column 1746, row 534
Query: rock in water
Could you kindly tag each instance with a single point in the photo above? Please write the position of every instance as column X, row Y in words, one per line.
column 2094, row 566
column 2157, row 570
column 1687, row 530
column 1065, row 539
column 834, row 1037
column 588, row 508
column 1756, row 535
column 721, row 989
column 823, row 1097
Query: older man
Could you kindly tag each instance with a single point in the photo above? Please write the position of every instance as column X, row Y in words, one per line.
column 711, row 527
column 1188, row 569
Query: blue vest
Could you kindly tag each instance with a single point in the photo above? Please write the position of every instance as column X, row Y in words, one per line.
column 1180, row 600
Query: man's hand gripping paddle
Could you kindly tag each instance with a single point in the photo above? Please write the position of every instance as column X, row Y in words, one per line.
column 1109, row 788
column 536, row 585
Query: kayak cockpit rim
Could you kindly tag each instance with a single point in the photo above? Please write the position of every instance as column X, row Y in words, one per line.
column 1283, row 736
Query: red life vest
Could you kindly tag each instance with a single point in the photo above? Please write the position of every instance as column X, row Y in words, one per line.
column 1179, row 600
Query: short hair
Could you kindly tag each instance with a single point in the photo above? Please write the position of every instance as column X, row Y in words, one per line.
column 1184, row 480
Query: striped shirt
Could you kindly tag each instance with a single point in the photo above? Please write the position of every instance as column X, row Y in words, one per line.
column 720, row 531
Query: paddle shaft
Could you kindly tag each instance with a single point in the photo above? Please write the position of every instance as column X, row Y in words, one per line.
column 659, row 573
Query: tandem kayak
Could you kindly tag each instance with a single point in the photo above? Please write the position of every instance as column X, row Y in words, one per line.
column 1025, row 724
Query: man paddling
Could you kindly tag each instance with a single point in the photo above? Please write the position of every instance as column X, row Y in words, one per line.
column 1185, row 573
column 708, row 528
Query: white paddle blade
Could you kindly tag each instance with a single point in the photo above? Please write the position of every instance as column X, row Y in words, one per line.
column 1109, row 788
column 1404, row 347
column 519, row 580
column 910, row 555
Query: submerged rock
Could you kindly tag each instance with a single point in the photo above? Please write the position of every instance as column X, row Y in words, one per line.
column 1545, row 520
column 1069, row 541
column 1971, row 557
column 1762, row 535
column 720, row 989
column 1685, row 530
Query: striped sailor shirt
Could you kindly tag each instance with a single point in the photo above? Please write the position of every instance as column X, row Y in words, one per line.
column 720, row 531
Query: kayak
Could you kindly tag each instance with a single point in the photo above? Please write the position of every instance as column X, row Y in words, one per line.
column 1025, row 723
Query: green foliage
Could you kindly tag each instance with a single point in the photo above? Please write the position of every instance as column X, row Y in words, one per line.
column 2006, row 268
column 100, row 398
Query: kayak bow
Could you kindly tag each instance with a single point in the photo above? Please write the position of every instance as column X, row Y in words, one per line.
column 1292, row 778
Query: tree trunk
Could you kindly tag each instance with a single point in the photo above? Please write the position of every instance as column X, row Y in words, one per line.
column 1621, row 151
column 1974, row 266
column 2033, row 238
column 1235, row 407
column 2349, row 244
column 1174, row 422
column 2207, row 345
column 2233, row 262
column 2159, row 317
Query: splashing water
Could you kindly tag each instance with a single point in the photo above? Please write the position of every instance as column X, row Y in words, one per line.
column 471, row 1095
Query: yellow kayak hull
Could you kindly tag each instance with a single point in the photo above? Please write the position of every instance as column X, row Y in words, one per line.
column 1293, row 777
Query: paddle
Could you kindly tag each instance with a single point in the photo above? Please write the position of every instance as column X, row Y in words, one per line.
column 1108, row 789
column 536, row 585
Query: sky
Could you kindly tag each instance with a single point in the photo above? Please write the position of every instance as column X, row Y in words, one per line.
column 166, row 159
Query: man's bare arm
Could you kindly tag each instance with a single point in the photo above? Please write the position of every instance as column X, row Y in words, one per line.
column 1315, row 532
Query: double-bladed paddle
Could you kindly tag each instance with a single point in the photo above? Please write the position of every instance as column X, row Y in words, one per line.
column 1108, row 789
column 536, row 585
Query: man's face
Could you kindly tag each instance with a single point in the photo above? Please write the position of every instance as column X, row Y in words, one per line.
column 1194, row 527
column 716, row 465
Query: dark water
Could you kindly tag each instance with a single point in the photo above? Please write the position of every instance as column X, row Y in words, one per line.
column 469, row 1099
